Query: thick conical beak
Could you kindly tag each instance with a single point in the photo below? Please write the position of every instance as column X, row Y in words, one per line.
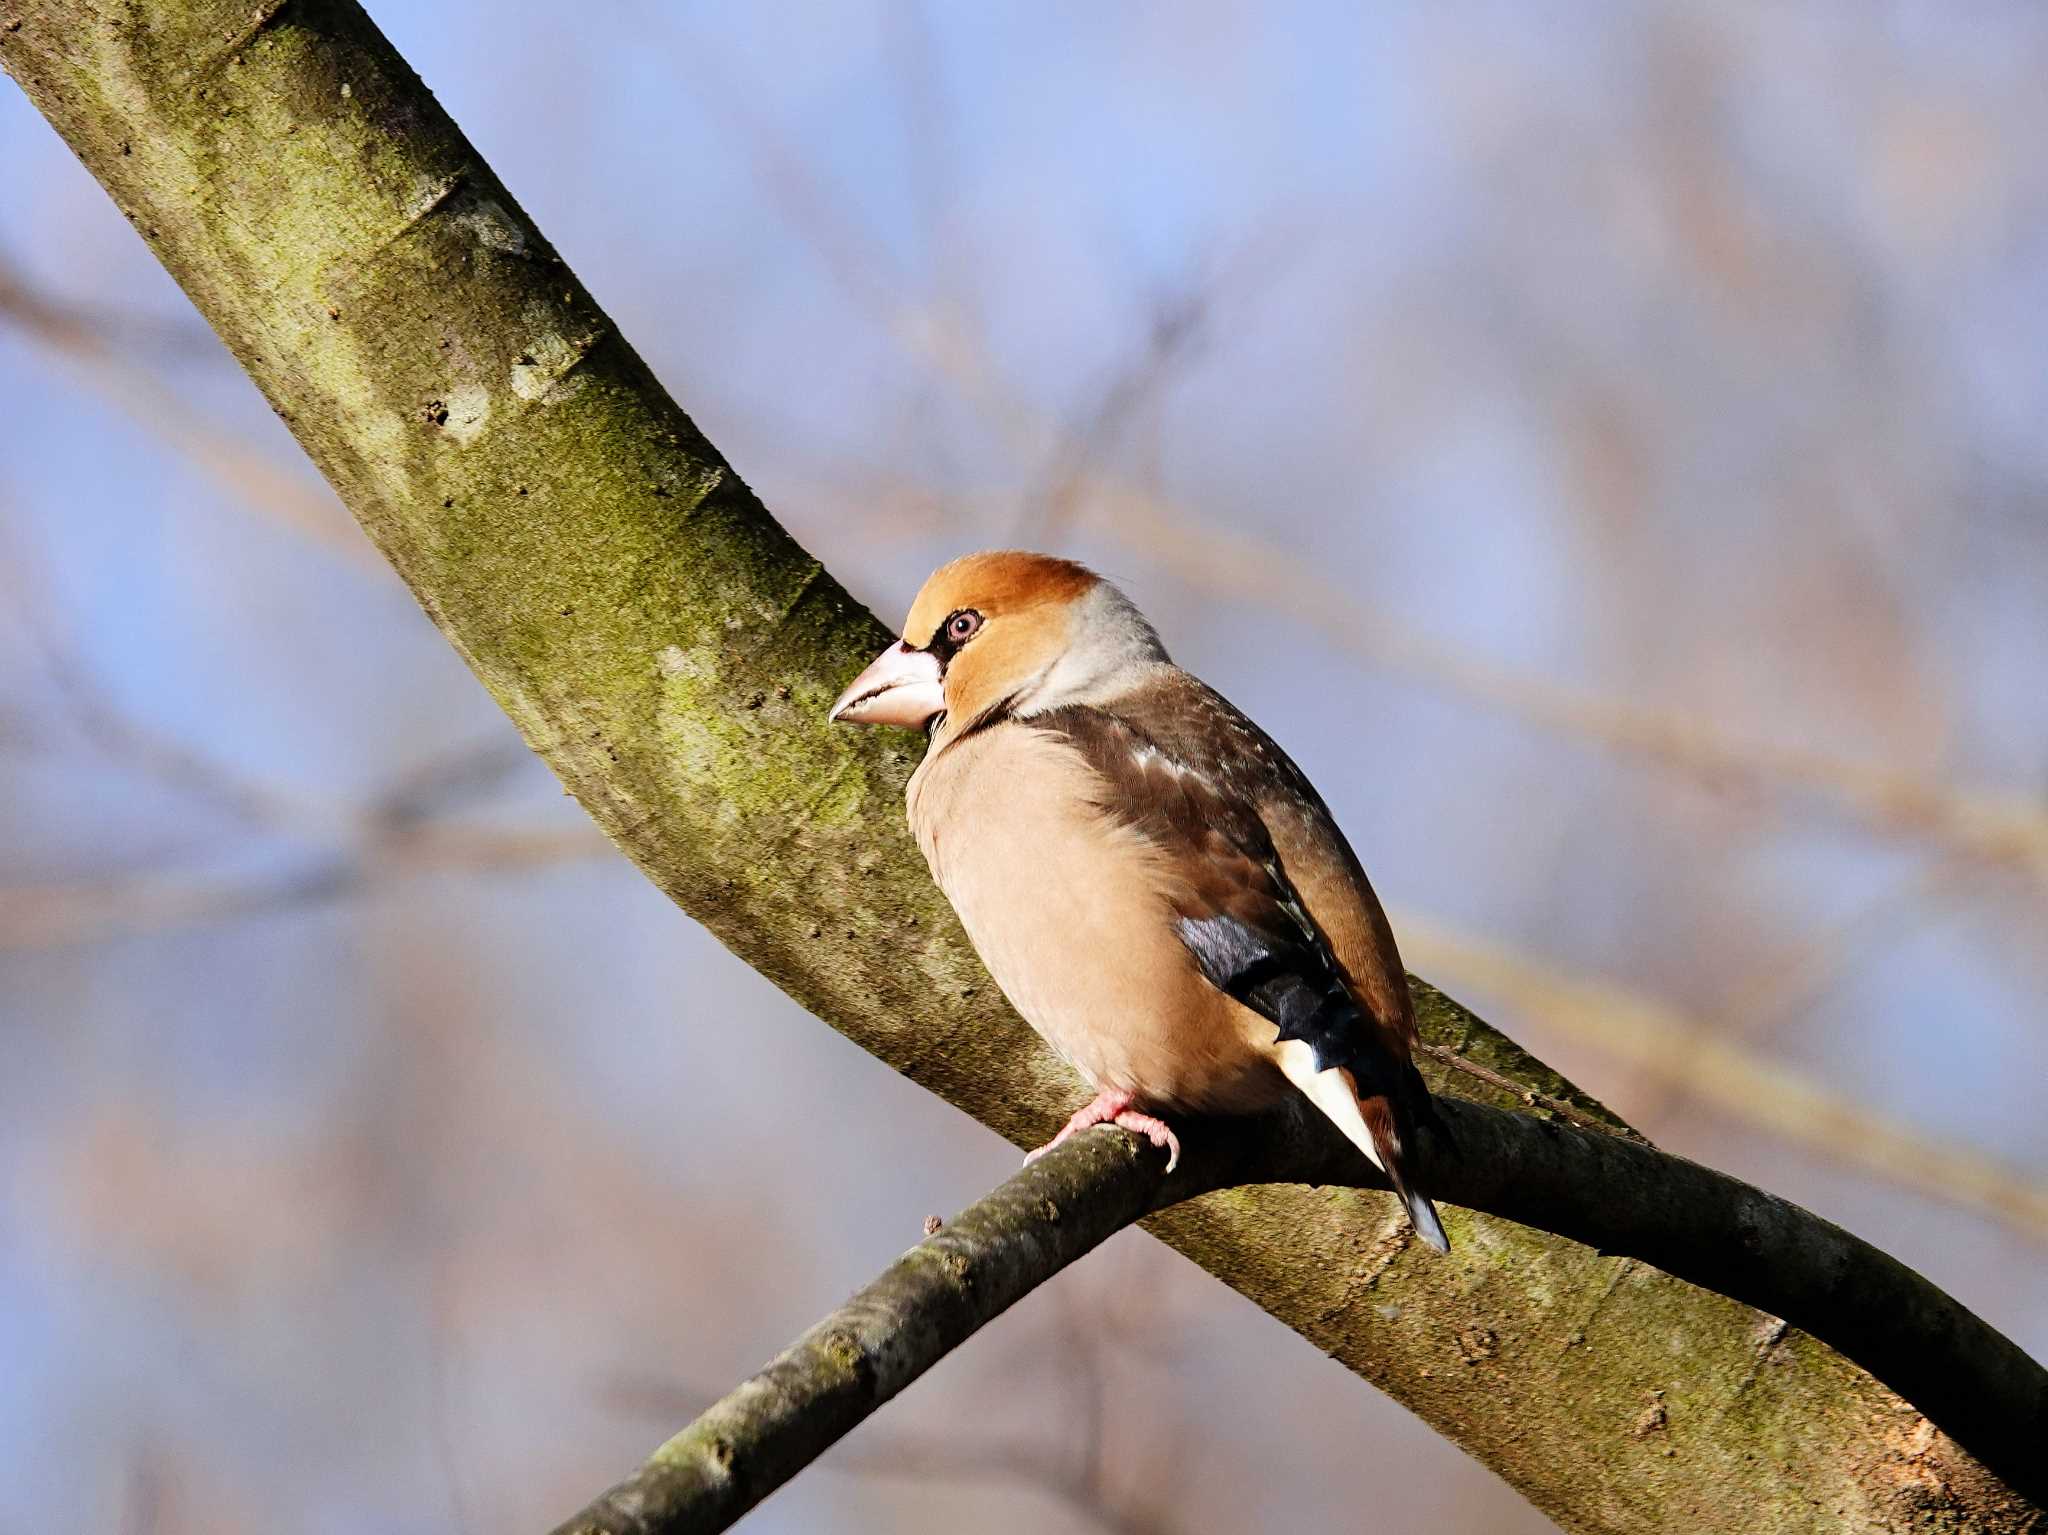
column 900, row 687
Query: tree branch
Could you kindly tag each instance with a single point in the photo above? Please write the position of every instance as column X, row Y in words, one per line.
column 917, row 1310
column 1662, row 1044
column 1605, row 1189
column 671, row 651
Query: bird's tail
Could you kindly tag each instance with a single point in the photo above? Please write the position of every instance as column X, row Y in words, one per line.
column 1373, row 1125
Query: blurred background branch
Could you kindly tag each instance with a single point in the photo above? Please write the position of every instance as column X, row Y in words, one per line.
column 99, row 348
column 1729, row 415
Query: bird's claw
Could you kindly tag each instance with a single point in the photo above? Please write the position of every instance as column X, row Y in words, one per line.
column 1155, row 1130
column 1116, row 1112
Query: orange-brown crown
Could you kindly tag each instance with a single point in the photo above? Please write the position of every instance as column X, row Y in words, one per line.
column 995, row 583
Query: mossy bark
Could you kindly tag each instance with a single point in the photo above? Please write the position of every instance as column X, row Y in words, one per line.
column 671, row 651
column 1603, row 1187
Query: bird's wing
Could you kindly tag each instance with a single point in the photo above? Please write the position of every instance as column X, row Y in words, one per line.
column 1266, row 895
column 1270, row 902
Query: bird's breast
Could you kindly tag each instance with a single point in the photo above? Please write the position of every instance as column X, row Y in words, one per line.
column 1071, row 911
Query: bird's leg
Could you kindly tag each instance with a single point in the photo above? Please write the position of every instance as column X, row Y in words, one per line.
column 1110, row 1108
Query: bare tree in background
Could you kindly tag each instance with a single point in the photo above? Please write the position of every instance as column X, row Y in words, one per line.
column 566, row 373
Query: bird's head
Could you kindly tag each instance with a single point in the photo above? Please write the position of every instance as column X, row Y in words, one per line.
column 1005, row 631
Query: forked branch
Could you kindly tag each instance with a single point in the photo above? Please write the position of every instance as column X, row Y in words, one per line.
column 1608, row 1190
column 670, row 650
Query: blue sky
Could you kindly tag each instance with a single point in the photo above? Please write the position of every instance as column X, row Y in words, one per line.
column 1681, row 363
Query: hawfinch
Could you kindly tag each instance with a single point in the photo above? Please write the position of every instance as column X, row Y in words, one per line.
column 1157, row 889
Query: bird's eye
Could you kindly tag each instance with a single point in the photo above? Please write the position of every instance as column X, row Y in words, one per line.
column 961, row 627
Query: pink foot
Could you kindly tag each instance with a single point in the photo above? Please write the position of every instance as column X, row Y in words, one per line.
column 1102, row 1111
column 1115, row 1109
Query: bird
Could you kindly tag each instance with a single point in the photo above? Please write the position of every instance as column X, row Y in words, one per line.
column 1156, row 887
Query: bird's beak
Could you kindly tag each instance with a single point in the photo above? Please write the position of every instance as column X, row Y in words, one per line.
column 900, row 687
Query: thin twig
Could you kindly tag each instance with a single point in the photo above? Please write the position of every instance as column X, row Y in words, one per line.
column 49, row 916
column 121, row 738
column 581, row 535
column 1798, row 986
column 1529, row 1096
column 257, row 483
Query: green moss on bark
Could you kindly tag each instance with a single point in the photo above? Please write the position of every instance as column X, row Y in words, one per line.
column 670, row 650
